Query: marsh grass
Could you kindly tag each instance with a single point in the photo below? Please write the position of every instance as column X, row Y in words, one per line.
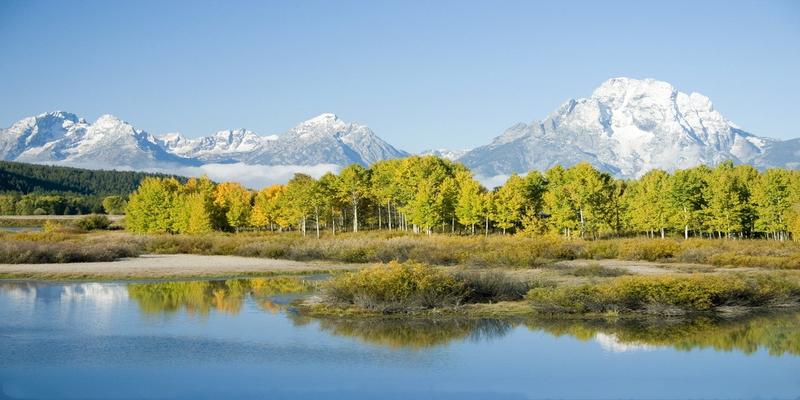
column 32, row 252
column 492, row 286
column 479, row 252
column 396, row 287
column 597, row 270
column 668, row 294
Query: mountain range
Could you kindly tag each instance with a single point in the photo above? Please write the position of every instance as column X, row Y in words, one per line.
column 626, row 127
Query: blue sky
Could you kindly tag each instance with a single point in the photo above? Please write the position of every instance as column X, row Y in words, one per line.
column 421, row 74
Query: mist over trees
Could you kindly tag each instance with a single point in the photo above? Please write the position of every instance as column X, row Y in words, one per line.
column 429, row 194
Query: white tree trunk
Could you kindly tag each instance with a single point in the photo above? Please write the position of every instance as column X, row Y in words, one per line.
column 355, row 216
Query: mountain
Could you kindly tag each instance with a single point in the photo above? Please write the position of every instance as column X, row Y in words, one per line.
column 628, row 127
column 223, row 146
column 451, row 155
column 324, row 139
column 63, row 138
column 780, row 154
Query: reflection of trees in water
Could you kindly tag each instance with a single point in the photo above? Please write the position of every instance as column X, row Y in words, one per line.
column 777, row 333
column 415, row 333
column 200, row 297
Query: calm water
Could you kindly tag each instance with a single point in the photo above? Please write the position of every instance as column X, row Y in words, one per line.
column 238, row 339
column 21, row 228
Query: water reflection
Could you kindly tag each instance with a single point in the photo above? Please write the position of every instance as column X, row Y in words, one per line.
column 101, row 296
column 200, row 297
column 777, row 333
column 416, row 333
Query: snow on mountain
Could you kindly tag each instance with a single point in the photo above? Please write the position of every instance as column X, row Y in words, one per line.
column 219, row 147
column 324, row 139
column 63, row 138
column 784, row 154
column 451, row 155
column 626, row 127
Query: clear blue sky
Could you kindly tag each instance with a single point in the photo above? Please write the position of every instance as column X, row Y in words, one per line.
column 421, row 74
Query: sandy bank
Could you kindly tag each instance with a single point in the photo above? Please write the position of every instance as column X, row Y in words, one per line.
column 167, row 266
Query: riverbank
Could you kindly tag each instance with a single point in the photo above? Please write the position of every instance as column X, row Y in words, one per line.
column 168, row 266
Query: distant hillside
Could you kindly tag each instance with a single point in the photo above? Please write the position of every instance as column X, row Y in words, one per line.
column 29, row 178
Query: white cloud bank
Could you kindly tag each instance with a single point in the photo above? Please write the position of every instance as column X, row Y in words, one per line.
column 253, row 176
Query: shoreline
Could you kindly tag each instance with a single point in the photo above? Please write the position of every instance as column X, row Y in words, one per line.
column 168, row 266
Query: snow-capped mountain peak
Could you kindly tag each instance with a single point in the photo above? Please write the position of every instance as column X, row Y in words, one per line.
column 627, row 127
column 449, row 154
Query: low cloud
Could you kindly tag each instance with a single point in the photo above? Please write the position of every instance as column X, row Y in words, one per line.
column 491, row 182
column 253, row 176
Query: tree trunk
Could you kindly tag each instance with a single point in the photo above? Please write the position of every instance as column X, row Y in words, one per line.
column 333, row 222
column 355, row 216
column 582, row 225
column 662, row 233
column 316, row 215
column 686, row 232
column 389, row 213
column 379, row 216
column 486, row 229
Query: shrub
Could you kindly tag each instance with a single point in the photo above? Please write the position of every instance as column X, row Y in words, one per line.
column 93, row 222
column 596, row 270
column 602, row 249
column 24, row 252
column 492, row 286
column 396, row 287
column 667, row 293
column 648, row 249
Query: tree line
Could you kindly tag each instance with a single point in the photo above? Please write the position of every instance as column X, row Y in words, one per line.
column 60, row 204
column 429, row 194
column 23, row 178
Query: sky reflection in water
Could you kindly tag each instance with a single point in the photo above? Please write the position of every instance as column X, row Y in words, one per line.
column 237, row 339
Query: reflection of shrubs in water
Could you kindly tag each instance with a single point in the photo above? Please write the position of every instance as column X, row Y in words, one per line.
column 200, row 297
column 777, row 333
column 415, row 333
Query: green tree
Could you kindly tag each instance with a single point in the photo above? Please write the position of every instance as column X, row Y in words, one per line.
column 330, row 201
column 114, row 205
column 558, row 205
column 648, row 202
column 686, row 188
column 265, row 207
column 589, row 192
column 303, row 199
column 771, row 200
column 469, row 204
column 509, row 202
column 235, row 202
column 725, row 200
column 150, row 208
column 353, row 187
